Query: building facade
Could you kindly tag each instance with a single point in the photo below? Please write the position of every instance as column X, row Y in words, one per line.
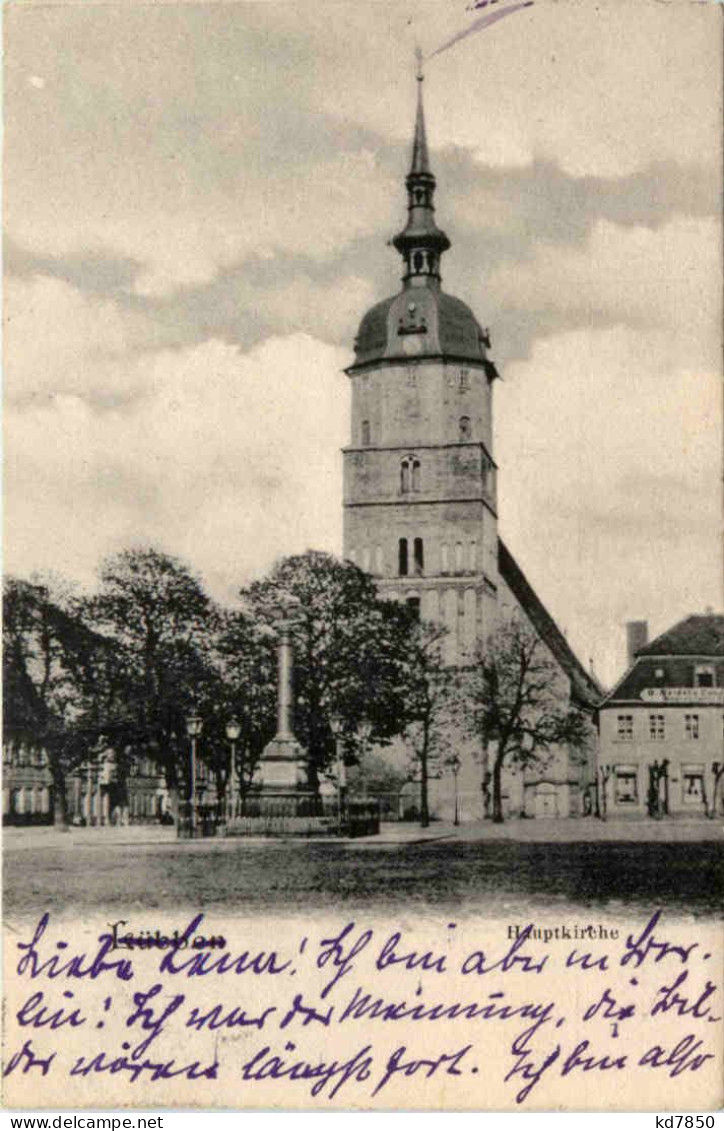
column 420, row 490
column 93, row 793
column 661, row 728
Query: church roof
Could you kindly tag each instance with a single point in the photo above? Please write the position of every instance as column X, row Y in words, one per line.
column 445, row 327
column 667, row 660
column 695, row 635
column 585, row 687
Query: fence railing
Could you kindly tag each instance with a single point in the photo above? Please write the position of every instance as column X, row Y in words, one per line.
column 285, row 816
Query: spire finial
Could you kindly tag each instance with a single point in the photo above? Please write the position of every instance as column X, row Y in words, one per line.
column 418, row 56
column 421, row 243
column 420, row 159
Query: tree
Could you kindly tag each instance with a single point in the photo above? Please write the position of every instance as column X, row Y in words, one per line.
column 60, row 682
column 246, row 660
column 374, row 775
column 515, row 704
column 349, row 647
column 428, row 699
column 163, row 621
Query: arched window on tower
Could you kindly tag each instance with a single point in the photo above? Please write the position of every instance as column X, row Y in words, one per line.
column 402, row 557
column 419, row 557
column 366, row 433
column 458, row 557
column 418, row 261
column 409, row 475
column 465, row 429
column 444, row 558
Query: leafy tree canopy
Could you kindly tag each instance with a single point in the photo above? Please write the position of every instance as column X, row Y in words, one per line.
column 350, row 649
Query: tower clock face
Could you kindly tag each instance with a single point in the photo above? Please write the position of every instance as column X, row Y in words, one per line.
column 412, row 345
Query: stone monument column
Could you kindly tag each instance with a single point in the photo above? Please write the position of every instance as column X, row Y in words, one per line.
column 281, row 782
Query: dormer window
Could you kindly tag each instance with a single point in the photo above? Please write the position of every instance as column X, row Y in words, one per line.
column 704, row 675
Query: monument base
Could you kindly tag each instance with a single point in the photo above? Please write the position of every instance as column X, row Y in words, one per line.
column 280, row 802
column 282, row 768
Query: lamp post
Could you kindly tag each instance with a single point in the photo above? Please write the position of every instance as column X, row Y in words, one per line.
column 233, row 730
column 194, row 726
column 455, row 767
column 336, row 724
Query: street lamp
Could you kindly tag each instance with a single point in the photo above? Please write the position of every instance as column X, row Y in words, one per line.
column 233, row 730
column 336, row 724
column 455, row 767
column 194, row 726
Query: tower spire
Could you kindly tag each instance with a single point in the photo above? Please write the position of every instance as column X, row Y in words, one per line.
column 421, row 243
column 420, row 157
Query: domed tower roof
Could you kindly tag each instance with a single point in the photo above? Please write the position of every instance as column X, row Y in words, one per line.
column 421, row 321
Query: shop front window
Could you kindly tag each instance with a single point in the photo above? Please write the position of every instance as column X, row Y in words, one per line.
column 626, row 785
column 692, row 784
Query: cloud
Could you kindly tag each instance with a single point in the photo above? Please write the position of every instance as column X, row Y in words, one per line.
column 610, row 482
column 59, row 341
column 601, row 89
column 496, row 221
column 668, row 278
column 227, row 460
column 259, row 129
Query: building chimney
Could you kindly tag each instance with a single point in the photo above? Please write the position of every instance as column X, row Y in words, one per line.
column 637, row 636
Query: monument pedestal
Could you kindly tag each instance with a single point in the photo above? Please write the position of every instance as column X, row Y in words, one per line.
column 281, row 782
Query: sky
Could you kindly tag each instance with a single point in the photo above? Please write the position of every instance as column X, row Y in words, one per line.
column 198, row 199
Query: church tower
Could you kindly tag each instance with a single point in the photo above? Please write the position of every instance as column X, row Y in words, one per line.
column 419, row 476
